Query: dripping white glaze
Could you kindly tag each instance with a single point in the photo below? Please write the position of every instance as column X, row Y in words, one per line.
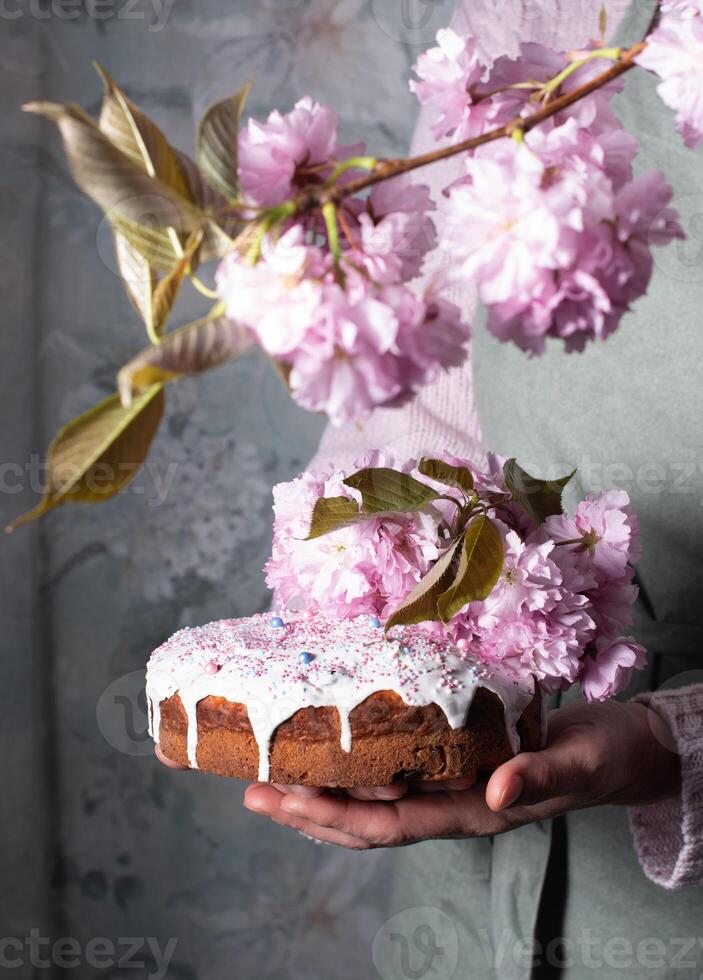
column 252, row 662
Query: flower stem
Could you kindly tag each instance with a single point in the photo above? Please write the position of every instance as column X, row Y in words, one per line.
column 352, row 163
column 386, row 169
column 329, row 213
column 202, row 288
column 268, row 220
column 612, row 54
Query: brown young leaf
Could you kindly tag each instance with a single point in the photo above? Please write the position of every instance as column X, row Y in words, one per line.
column 540, row 498
column 138, row 277
column 98, row 453
column 159, row 247
column 218, row 134
column 480, row 565
column 384, row 490
column 153, row 300
column 140, row 138
column 222, row 223
column 421, row 604
column 113, row 179
column 460, row 477
column 167, row 290
column 196, row 347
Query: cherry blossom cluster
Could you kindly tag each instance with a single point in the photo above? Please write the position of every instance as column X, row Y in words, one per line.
column 674, row 52
column 348, row 330
column 552, row 229
column 366, row 568
column 559, row 611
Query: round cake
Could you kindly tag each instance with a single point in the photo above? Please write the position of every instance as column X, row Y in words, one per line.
column 334, row 702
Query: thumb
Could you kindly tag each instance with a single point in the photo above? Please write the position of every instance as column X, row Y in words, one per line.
column 566, row 769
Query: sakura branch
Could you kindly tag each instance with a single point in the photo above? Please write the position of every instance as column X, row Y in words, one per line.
column 321, row 247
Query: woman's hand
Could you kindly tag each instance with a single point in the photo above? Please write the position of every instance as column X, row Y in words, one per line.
column 598, row 753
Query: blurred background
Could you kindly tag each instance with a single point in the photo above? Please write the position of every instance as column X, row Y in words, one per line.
column 99, row 843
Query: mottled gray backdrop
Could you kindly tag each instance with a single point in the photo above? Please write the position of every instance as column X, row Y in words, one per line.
column 98, row 841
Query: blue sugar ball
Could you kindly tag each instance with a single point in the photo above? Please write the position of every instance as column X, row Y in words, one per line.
column 277, row 622
column 305, row 657
column 374, row 621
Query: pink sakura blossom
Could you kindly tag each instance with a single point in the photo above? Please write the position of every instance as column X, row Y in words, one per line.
column 674, row 52
column 510, row 88
column 395, row 231
column 350, row 345
column 603, row 532
column 607, row 671
column 502, row 230
column 612, row 604
column 366, row 568
column 448, row 77
column 531, row 620
column 556, row 236
column 270, row 153
column 470, row 97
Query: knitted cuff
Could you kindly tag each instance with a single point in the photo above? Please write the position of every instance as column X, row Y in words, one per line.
column 668, row 836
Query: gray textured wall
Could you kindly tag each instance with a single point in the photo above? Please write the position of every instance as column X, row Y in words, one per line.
column 97, row 839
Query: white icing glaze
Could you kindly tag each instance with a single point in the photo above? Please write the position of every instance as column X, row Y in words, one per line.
column 260, row 667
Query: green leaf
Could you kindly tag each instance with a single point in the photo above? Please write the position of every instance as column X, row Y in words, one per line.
column 421, row 604
column 460, row 477
column 384, row 493
column 196, row 347
column 218, row 135
column 385, row 490
column 540, row 498
column 480, row 565
column 331, row 513
column 112, row 178
column 98, row 453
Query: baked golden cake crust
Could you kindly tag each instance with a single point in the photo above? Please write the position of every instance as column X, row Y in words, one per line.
column 390, row 741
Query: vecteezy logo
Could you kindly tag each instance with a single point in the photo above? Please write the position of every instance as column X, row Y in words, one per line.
column 419, row 943
column 122, row 715
column 412, row 21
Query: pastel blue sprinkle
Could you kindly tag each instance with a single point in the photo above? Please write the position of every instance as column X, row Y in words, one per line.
column 374, row 621
column 277, row 622
column 304, row 657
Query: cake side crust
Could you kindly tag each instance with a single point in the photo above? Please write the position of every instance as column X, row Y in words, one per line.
column 390, row 741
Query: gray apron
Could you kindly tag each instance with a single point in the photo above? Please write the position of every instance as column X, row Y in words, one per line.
column 627, row 413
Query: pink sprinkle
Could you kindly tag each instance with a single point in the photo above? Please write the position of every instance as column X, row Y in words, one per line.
column 306, row 614
column 462, row 644
column 211, row 667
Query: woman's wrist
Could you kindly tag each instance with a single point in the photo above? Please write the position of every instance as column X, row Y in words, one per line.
column 658, row 768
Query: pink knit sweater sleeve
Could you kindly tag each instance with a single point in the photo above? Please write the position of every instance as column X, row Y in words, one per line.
column 668, row 836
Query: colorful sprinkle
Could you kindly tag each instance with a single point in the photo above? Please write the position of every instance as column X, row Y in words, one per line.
column 462, row 644
column 276, row 622
column 305, row 657
column 375, row 622
column 211, row 667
